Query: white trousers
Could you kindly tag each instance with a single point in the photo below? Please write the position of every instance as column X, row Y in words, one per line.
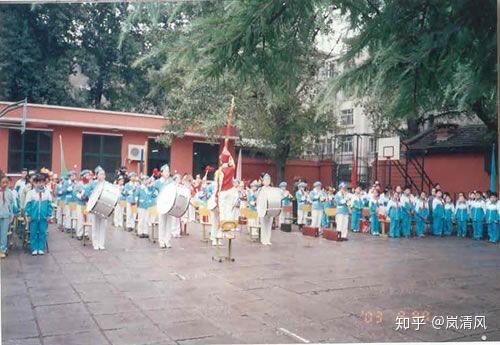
column 67, row 216
column 59, row 214
column 214, row 220
column 176, row 227
column 98, row 231
column 226, row 203
column 165, row 229
column 79, row 220
column 316, row 218
column 251, row 223
column 142, row 226
column 301, row 216
column 191, row 213
column 342, row 221
column 266, row 224
column 131, row 216
column 118, row 216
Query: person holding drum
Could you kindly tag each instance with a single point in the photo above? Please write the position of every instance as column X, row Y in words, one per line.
column 286, row 202
column 129, row 194
column 165, row 221
column 99, row 224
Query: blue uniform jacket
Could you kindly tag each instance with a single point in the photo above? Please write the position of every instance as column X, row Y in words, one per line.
column 38, row 204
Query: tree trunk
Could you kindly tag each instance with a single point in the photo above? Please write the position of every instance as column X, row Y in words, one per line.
column 280, row 171
column 412, row 127
column 489, row 121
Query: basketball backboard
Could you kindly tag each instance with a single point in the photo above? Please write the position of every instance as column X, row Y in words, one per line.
column 388, row 148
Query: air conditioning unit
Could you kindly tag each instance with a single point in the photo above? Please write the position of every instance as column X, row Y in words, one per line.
column 134, row 152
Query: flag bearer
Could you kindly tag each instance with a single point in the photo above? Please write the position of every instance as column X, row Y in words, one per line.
column 342, row 214
column 373, row 205
column 120, row 205
column 356, row 209
column 492, row 218
column 437, row 214
column 461, row 215
column 477, row 212
column 165, row 221
column 144, row 198
column 7, row 203
column 394, row 211
column 286, row 202
column 406, row 212
column 129, row 194
column 449, row 216
column 421, row 214
column 99, row 224
column 38, row 209
column 317, row 197
column 301, row 196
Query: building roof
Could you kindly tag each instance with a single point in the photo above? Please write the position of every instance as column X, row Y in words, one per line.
column 51, row 115
column 451, row 138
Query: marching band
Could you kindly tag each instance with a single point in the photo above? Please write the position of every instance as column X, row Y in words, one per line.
column 64, row 199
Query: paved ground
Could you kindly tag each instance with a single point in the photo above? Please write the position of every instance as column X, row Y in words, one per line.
column 300, row 289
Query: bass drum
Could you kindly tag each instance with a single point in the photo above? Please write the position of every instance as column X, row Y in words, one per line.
column 103, row 199
column 269, row 202
column 173, row 200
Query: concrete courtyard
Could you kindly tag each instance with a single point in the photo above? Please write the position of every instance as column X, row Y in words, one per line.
column 300, row 289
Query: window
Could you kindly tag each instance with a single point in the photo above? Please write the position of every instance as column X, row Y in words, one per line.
column 158, row 155
column 31, row 150
column 205, row 156
column 346, row 144
column 103, row 150
column 346, row 117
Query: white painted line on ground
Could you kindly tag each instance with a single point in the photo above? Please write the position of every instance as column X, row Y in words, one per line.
column 298, row 337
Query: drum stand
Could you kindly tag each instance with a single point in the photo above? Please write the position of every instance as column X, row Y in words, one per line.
column 227, row 229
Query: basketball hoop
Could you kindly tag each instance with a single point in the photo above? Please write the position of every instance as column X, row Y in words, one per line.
column 389, row 148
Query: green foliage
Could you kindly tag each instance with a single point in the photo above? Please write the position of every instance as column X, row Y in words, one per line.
column 423, row 55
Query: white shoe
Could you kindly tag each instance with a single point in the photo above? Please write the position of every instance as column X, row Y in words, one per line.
column 168, row 246
column 34, row 252
column 40, row 252
column 102, row 248
column 96, row 248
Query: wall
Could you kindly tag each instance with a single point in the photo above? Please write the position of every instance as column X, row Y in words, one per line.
column 310, row 170
column 455, row 172
column 4, row 139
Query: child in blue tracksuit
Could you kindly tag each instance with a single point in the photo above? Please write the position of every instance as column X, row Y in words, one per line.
column 329, row 203
column 38, row 209
column 406, row 213
column 492, row 218
column 317, row 197
column 449, row 216
column 477, row 213
column 394, row 213
column 6, row 213
column 357, row 209
column 461, row 215
column 373, row 205
column 421, row 214
column 437, row 214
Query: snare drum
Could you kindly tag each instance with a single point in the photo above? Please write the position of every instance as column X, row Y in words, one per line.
column 103, row 199
column 269, row 202
column 173, row 200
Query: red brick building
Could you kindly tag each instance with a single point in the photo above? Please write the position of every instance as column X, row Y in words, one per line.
column 90, row 137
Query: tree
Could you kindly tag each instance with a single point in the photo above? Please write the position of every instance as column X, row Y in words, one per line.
column 260, row 52
column 423, row 56
column 36, row 52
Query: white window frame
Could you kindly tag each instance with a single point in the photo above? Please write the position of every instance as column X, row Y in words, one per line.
column 345, row 115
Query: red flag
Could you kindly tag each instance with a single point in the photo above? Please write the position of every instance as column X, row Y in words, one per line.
column 354, row 173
